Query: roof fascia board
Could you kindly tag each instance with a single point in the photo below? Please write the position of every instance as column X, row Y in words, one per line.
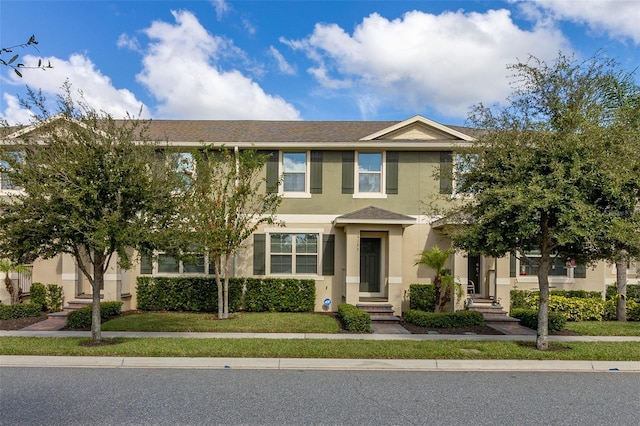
column 377, row 144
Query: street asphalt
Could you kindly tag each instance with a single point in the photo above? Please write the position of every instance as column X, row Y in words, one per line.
column 319, row 364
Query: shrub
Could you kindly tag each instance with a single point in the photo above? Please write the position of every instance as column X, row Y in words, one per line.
column 354, row 319
column 573, row 309
column 633, row 310
column 577, row 294
column 457, row 319
column 279, row 295
column 196, row 294
column 529, row 298
column 422, row 297
column 54, row 297
column 20, row 310
column 38, row 295
column 529, row 318
column 633, row 292
column 81, row 318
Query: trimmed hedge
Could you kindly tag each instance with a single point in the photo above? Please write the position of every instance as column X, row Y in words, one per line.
column 422, row 297
column 457, row 319
column 196, row 294
column 81, row 318
column 522, row 298
column 633, row 310
column 633, row 292
column 354, row 319
column 200, row 294
column 20, row 310
column 279, row 295
column 529, row 318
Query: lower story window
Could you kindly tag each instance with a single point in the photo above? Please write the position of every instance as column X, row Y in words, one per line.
column 294, row 253
column 168, row 264
column 560, row 267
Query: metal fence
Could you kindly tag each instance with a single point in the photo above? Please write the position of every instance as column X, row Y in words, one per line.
column 24, row 280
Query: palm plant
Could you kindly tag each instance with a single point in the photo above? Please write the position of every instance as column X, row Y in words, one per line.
column 436, row 259
column 8, row 267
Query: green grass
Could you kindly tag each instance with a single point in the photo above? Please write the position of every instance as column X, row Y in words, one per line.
column 263, row 322
column 308, row 348
column 604, row 328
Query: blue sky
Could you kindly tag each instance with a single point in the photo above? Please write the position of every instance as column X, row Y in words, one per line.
column 292, row 60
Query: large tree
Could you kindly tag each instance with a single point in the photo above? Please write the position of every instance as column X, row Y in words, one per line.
column 92, row 187
column 224, row 203
column 533, row 167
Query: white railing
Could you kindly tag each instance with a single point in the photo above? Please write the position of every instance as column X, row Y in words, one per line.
column 24, row 280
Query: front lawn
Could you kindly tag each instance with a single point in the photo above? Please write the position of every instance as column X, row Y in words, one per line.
column 242, row 322
column 604, row 328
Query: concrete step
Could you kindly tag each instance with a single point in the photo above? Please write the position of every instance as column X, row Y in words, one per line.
column 385, row 319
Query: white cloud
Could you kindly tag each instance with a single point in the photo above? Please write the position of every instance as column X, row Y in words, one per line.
column 97, row 89
column 618, row 18
column 222, row 8
column 182, row 69
column 283, row 65
column 131, row 43
column 14, row 113
column 447, row 62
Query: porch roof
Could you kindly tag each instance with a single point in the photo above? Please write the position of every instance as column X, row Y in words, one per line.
column 374, row 215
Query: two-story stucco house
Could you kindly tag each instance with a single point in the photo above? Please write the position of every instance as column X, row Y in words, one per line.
column 354, row 207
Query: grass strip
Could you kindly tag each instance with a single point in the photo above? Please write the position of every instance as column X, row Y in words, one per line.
column 308, row 348
column 245, row 322
column 604, row 328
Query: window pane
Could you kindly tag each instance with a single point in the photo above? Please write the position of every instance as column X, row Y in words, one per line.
column 294, row 162
column 281, row 264
column 280, row 243
column 294, row 182
column 306, row 264
column 194, row 264
column 369, row 182
column 371, row 162
column 307, row 243
column 167, row 264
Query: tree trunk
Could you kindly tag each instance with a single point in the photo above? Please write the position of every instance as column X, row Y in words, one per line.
column 227, row 259
column 220, row 290
column 97, row 284
column 621, row 290
column 437, row 284
column 10, row 288
column 542, row 338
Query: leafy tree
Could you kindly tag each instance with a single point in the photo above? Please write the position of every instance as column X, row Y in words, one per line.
column 94, row 189
column 7, row 267
column 224, row 203
column 617, row 194
column 533, row 167
column 12, row 61
column 436, row 259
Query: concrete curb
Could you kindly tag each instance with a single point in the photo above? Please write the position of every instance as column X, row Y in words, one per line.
column 319, row 364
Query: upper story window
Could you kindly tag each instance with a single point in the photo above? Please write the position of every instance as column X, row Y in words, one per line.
column 294, row 168
column 6, row 184
column 370, row 172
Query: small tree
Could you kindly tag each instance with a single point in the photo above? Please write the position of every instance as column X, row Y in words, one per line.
column 224, row 204
column 92, row 187
column 436, row 259
column 7, row 267
column 533, row 167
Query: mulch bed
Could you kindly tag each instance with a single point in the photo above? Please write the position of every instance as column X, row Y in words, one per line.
column 477, row 329
column 19, row 323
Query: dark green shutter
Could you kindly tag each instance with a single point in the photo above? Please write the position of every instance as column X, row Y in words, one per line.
column 146, row 265
column 272, row 171
column 316, row 172
column 328, row 254
column 259, row 254
column 513, row 270
column 392, row 173
column 446, row 172
column 347, row 172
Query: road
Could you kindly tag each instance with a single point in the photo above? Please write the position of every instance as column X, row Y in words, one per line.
column 83, row 396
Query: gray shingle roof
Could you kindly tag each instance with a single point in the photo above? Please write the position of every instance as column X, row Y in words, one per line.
column 371, row 213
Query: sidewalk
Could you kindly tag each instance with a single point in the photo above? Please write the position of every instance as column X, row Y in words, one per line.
column 320, row 364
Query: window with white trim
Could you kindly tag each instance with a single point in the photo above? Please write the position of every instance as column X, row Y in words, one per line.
column 6, row 184
column 370, row 173
column 295, row 173
column 293, row 254
column 165, row 263
column 560, row 267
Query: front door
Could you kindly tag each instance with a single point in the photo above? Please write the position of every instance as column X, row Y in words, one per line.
column 370, row 249
column 473, row 265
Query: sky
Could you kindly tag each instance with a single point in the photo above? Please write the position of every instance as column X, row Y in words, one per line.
column 299, row 60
